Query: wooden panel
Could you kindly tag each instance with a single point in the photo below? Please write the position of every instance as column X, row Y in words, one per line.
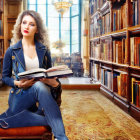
column 135, row 112
column 107, row 93
column 121, row 103
column 82, row 87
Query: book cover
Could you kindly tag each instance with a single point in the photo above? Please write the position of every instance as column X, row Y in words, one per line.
column 119, row 85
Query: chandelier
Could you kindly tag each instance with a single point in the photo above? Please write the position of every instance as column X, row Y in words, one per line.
column 59, row 45
column 62, row 5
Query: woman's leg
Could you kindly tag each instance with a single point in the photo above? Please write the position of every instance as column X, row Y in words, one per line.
column 23, row 119
column 50, row 108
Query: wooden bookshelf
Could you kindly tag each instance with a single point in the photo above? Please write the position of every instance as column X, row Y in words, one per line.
column 115, row 51
column 9, row 10
column 1, row 36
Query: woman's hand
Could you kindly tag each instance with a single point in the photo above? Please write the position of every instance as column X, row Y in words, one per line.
column 50, row 81
column 24, row 83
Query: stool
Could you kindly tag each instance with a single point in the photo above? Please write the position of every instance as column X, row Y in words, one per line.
column 33, row 132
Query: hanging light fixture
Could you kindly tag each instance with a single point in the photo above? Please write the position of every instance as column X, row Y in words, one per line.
column 59, row 45
column 62, row 6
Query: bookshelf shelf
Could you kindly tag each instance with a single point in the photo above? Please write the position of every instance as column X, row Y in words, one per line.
column 121, row 65
column 106, row 92
column 135, row 67
column 94, row 39
column 135, row 75
column 107, row 68
column 115, row 51
column 107, row 88
column 121, row 98
column 119, row 71
column 121, row 103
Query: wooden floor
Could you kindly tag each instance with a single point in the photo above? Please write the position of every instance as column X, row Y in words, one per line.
column 79, row 83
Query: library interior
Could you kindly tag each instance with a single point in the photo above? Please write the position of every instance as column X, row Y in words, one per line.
column 99, row 40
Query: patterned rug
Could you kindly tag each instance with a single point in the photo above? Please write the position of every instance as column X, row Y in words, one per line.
column 88, row 115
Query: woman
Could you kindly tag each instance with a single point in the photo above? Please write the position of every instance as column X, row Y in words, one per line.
column 30, row 50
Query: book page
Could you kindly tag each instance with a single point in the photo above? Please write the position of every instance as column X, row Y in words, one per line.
column 37, row 70
column 40, row 70
column 57, row 68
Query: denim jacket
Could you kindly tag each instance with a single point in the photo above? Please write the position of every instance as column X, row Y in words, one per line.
column 14, row 63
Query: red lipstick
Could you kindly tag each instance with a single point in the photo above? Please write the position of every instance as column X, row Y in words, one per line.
column 25, row 31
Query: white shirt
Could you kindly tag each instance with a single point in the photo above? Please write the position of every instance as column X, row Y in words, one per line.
column 31, row 63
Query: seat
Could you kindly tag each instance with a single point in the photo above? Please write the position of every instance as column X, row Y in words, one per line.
column 34, row 132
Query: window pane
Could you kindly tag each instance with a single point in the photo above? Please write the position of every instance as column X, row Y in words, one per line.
column 75, row 37
column 53, row 23
column 42, row 11
column 44, row 20
column 75, row 22
column 32, row 1
column 75, row 1
column 75, row 48
column 65, row 24
column 52, row 11
column 75, row 10
column 53, row 35
column 67, row 14
column 49, row 1
column 41, row 1
column 32, row 7
column 65, row 36
column 66, row 49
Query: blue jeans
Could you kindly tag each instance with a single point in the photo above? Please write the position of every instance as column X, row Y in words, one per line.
column 18, row 116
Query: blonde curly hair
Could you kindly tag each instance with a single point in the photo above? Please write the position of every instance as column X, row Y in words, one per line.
column 41, row 35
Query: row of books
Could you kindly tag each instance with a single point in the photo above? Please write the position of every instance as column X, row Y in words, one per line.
column 95, row 50
column 74, row 62
column 95, row 4
column 106, row 50
column 95, row 71
column 95, row 26
column 116, row 81
column 102, row 51
column 135, row 12
column 119, row 51
column 101, row 26
column 105, row 24
column 119, row 18
column 106, row 78
column 135, row 84
column 120, row 83
column 135, row 51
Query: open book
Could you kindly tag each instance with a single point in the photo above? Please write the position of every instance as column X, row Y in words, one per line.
column 57, row 71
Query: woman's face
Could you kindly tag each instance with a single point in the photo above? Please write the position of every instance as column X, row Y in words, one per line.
column 28, row 26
